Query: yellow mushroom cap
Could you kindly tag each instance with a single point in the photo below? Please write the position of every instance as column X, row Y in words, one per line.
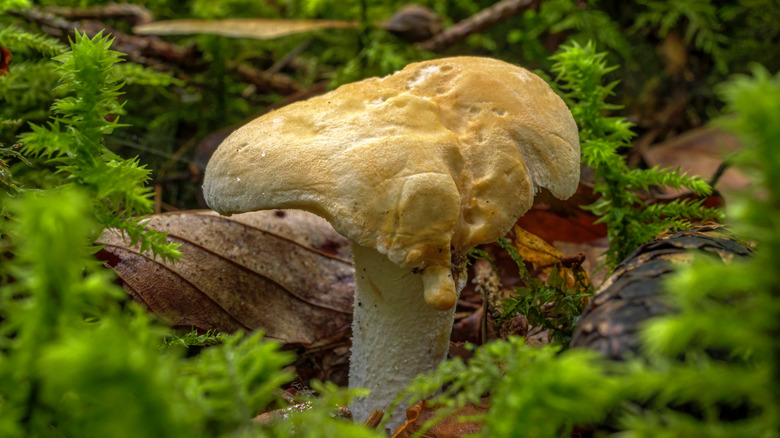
column 437, row 158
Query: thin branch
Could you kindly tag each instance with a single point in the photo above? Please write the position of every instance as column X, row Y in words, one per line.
column 147, row 51
column 266, row 81
column 154, row 52
column 476, row 23
column 135, row 14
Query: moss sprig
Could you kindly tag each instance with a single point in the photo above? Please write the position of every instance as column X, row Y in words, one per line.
column 631, row 220
column 74, row 142
column 552, row 305
column 718, row 354
column 22, row 40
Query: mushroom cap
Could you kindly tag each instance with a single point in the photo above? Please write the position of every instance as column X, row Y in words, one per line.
column 422, row 164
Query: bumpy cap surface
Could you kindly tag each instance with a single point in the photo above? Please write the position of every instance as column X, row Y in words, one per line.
column 439, row 157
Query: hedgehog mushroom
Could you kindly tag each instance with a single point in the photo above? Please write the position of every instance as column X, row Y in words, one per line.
column 414, row 169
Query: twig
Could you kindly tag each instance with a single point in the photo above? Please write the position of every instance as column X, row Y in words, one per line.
column 141, row 50
column 374, row 418
column 288, row 58
column 302, row 94
column 266, row 81
column 154, row 52
column 722, row 168
column 574, row 262
column 488, row 285
column 476, row 23
column 135, row 14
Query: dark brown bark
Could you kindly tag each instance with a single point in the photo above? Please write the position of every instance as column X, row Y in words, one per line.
column 635, row 292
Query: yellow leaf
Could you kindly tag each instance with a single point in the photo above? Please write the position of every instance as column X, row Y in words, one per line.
column 535, row 250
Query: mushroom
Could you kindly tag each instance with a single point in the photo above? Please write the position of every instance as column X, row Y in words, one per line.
column 415, row 169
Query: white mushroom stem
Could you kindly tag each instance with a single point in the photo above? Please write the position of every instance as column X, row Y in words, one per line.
column 395, row 334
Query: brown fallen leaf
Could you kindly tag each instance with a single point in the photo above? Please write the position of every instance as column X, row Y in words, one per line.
column 555, row 220
column 288, row 272
column 448, row 427
column 5, row 60
column 700, row 152
column 257, row 28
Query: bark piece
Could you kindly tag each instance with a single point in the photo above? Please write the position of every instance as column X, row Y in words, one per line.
column 634, row 293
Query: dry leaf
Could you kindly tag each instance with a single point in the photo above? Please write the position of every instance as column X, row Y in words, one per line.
column 5, row 60
column 534, row 249
column 257, row 28
column 556, row 220
column 544, row 257
column 449, row 427
column 699, row 152
column 288, row 272
column 555, row 227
